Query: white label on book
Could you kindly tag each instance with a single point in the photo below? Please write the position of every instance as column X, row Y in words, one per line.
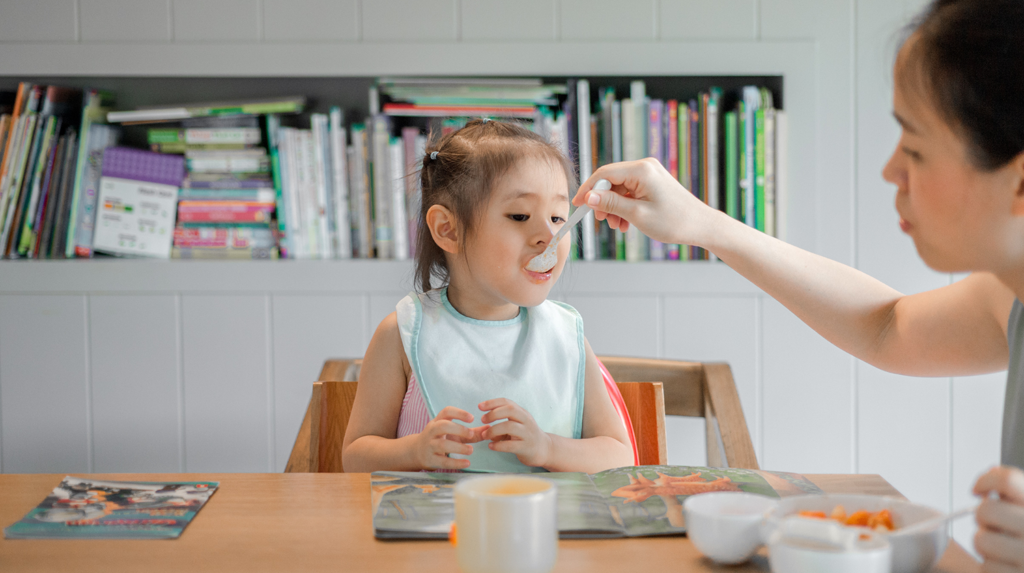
column 135, row 218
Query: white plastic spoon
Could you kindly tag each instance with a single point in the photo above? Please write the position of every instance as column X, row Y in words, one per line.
column 934, row 522
column 546, row 260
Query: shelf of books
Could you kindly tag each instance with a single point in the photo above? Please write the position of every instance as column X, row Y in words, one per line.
column 108, row 169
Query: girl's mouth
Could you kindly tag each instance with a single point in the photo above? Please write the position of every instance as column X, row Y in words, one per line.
column 538, row 277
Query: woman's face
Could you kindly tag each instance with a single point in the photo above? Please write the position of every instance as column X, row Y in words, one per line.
column 959, row 217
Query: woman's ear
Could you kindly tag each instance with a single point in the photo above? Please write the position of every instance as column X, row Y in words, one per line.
column 444, row 228
column 1017, row 167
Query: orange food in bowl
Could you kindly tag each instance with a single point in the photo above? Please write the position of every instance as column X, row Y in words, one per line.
column 879, row 520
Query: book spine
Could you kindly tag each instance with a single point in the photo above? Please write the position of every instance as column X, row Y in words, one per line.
column 654, row 149
column 60, row 231
column 683, row 135
column 731, row 167
column 381, row 189
column 20, row 184
column 781, row 174
column 413, row 156
column 42, row 162
column 273, row 124
column 396, row 180
column 13, row 143
column 90, row 101
column 339, row 174
column 759, row 169
column 9, row 198
column 323, row 179
column 45, row 209
column 671, row 147
column 100, row 137
column 617, row 156
column 586, row 164
column 750, row 105
column 770, row 171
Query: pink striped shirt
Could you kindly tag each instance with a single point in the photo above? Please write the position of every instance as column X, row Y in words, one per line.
column 414, row 415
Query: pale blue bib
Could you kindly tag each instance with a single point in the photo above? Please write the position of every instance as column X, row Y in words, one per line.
column 536, row 359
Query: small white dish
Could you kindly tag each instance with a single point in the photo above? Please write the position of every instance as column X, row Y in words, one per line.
column 914, row 552
column 726, row 526
column 801, row 545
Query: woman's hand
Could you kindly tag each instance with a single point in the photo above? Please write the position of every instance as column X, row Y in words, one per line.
column 519, row 434
column 644, row 194
column 1000, row 536
column 442, row 436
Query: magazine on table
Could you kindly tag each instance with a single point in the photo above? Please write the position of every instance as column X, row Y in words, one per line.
column 100, row 509
column 621, row 502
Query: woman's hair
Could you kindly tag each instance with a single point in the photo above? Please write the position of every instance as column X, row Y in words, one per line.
column 967, row 58
column 461, row 169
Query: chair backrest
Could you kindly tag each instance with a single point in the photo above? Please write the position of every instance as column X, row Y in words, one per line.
column 332, row 402
column 698, row 389
column 693, row 389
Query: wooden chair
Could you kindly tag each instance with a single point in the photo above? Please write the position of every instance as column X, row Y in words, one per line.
column 688, row 389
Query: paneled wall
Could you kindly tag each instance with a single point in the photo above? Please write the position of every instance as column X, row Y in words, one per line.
column 216, row 374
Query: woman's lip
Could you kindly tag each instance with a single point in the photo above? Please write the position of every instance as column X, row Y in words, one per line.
column 905, row 225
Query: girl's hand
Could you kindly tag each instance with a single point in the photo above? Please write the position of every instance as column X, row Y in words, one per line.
column 519, row 434
column 1000, row 536
column 646, row 195
column 442, row 436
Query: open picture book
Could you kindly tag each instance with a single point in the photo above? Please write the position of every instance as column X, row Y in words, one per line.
column 621, row 502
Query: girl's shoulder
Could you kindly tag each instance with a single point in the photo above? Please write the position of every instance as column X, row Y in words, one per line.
column 389, row 340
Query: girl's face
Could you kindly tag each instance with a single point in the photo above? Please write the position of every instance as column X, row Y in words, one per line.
column 959, row 217
column 528, row 204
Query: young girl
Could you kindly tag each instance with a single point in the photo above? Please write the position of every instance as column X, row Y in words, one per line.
column 487, row 349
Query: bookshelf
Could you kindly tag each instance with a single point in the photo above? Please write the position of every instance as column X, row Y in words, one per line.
column 260, row 329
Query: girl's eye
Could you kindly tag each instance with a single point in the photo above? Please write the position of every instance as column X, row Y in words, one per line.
column 557, row 219
column 912, row 154
column 519, row 217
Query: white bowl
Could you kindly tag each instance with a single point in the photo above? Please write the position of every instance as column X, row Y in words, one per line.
column 726, row 526
column 913, row 553
column 810, row 546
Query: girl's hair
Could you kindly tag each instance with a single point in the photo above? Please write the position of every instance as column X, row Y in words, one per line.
column 461, row 169
column 968, row 56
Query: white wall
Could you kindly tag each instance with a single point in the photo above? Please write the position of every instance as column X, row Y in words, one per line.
column 216, row 395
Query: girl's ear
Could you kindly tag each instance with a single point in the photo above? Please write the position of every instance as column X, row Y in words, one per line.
column 444, row 228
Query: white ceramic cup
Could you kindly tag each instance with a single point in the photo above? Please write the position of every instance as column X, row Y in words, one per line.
column 726, row 526
column 506, row 524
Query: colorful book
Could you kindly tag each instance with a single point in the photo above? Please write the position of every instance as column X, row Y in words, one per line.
column 396, row 183
column 731, row 166
column 137, row 195
column 225, row 212
column 621, row 502
column 82, row 508
column 342, row 232
column 177, row 113
column 383, row 236
column 206, row 136
column 655, row 138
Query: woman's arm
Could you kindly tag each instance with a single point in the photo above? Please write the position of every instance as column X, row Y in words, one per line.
column 370, row 442
column 955, row 330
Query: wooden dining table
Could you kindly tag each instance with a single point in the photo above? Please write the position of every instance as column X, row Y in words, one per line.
column 322, row 522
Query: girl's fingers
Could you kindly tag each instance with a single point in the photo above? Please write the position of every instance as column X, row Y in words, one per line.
column 442, row 427
column 493, row 403
column 442, row 447
column 444, row 463
column 507, row 446
column 453, row 413
column 509, row 411
column 1002, row 516
column 1006, row 481
column 507, row 428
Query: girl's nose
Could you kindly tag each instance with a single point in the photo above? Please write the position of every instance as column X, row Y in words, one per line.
column 545, row 235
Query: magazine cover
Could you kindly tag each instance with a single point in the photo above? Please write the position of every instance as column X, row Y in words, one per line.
column 93, row 509
column 621, row 502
